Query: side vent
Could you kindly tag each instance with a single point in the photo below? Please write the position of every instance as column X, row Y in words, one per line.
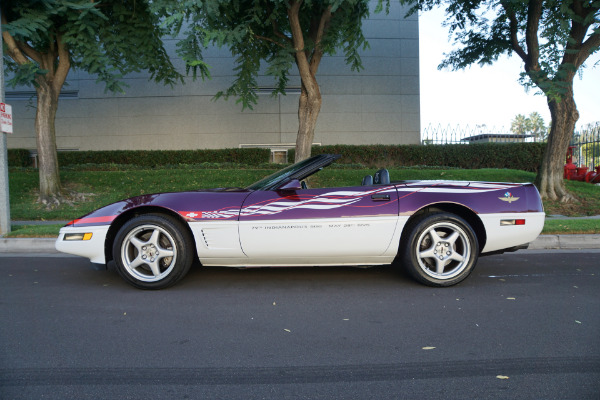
column 204, row 238
column 220, row 237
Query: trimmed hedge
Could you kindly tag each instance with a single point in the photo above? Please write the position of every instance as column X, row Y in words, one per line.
column 155, row 158
column 522, row 156
column 19, row 158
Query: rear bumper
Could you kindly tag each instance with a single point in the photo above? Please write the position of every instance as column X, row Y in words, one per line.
column 501, row 237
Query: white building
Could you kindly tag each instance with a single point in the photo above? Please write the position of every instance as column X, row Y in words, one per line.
column 379, row 105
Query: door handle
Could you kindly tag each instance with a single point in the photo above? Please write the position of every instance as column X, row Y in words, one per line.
column 380, row 197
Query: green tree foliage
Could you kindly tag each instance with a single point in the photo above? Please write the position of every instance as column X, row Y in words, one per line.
column 44, row 40
column 553, row 38
column 271, row 36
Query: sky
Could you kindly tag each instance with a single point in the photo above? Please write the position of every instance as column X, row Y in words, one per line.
column 470, row 97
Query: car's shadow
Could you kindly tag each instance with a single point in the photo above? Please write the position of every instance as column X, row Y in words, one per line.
column 267, row 277
column 201, row 276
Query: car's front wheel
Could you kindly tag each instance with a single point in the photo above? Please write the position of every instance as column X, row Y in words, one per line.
column 441, row 249
column 152, row 251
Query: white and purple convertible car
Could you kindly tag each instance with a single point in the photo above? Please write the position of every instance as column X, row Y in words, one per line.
column 435, row 229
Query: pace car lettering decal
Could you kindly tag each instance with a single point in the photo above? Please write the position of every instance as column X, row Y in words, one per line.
column 325, row 201
column 509, row 197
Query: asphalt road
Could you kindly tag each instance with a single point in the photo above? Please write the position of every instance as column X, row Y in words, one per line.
column 523, row 326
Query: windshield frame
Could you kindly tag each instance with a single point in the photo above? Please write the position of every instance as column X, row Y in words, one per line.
column 299, row 170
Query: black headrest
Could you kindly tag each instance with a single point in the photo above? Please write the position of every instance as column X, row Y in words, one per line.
column 381, row 177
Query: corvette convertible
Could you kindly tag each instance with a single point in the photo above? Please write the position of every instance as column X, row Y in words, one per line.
column 434, row 229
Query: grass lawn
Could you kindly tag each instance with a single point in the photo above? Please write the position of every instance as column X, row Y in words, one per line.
column 98, row 188
column 34, row 231
column 571, row 226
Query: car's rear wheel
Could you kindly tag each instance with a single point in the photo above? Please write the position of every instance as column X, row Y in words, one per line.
column 441, row 249
column 153, row 251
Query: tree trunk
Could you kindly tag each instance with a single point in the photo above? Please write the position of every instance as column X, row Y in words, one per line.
column 308, row 111
column 55, row 60
column 47, row 104
column 550, row 180
column 308, row 63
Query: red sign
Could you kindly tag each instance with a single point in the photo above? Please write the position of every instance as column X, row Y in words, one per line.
column 6, row 118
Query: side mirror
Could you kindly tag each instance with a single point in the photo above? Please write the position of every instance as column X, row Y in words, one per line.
column 294, row 184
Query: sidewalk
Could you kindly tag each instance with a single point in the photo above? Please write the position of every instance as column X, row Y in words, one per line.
column 565, row 242
column 543, row 242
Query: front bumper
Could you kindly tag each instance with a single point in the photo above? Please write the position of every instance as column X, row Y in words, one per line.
column 92, row 248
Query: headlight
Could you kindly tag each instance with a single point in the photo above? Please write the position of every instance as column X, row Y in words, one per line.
column 77, row 236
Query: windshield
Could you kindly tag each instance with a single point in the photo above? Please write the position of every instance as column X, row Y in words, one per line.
column 278, row 176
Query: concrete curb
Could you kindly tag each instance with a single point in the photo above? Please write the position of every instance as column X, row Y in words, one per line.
column 543, row 242
column 566, row 242
column 27, row 245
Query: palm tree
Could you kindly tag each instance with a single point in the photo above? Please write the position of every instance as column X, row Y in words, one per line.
column 537, row 126
column 519, row 125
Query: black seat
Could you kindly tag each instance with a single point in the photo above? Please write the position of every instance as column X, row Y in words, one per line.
column 367, row 180
column 381, row 177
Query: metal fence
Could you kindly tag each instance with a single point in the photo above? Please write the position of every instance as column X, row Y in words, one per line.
column 586, row 141
column 586, row 146
column 466, row 134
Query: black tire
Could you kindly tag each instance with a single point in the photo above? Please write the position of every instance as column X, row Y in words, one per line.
column 153, row 251
column 441, row 249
